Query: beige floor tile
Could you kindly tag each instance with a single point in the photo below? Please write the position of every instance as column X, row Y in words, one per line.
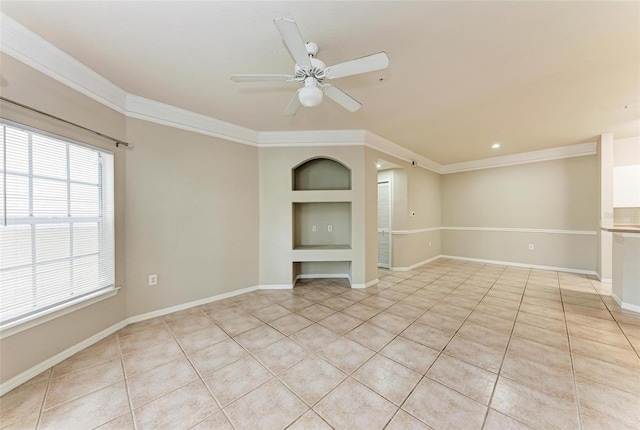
column 391, row 380
column 258, row 338
column 123, row 422
column 338, row 407
column 141, row 340
column 316, row 312
column 150, row 385
column 360, row 311
column 404, row 421
column 618, row 404
column 312, row 379
column 501, row 303
column 427, row 336
column 588, row 311
column 225, row 313
column 88, row 411
column 475, row 353
column 22, row 402
column 497, row 421
column 496, row 311
column 542, row 311
column 29, row 423
column 142, row 325
column 390, row 322
column 403, row 309
column 541, row 335
column 617, row 339
column 340, row 322
column 190, row 324
column 281, row 355
column 315, row 336
column 76, row 384
column 338, row 303
column 310, row 421
column 377, row 302
column 450, row 310
column 371, row 336
column 99, row 352
column 491, row 322
column 185, row 313
column 623, row 378
column 270, row 313
column 415, row 356
column 240, row 324
column 604, row 352
column 217, row 421
column 541, row 353
column 237, row 379
column 201, row 339
column 290, row 324
column 546, row 379
column 525, row 404
column 441, row 322
column 392, row 294
column 188, row 405
column 216, row 356
column 154, row 356
column 486, row 336
column 465, row 378
column 542, row 322
column 443, row 408
column 346, row 354
column 592, row 420
column 272, row 406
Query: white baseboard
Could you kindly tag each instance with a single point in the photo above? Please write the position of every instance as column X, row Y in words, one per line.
column 530, row 266
column 367, row 285
column 23, row 377
column 625, row 306
column 320, row 275
column 413, row 266
column 275, row 287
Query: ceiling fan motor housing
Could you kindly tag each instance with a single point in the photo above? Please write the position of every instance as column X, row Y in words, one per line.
column 316, row 71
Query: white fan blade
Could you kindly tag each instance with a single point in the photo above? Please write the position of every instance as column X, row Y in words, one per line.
column 261, row 78
column 293, row 39
column 361, row 65
column 342, row 98
column 293, row 105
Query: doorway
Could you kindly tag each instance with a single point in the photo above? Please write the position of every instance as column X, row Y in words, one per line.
column 384, row 224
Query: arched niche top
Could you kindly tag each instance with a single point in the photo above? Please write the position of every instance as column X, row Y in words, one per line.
column 321, row 173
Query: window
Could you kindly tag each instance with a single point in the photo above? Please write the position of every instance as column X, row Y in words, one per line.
column 56, row 223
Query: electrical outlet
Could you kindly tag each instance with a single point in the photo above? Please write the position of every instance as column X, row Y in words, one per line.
column 314, row 228
column 329, row 228
column 531, row 247
column 153, row 280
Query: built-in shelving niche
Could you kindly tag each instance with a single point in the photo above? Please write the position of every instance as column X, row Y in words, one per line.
column 312, row 222
column 321, row 269
column 321, row 174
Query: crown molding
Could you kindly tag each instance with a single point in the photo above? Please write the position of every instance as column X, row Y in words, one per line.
column 161, row 113
column 274, row 139
column 22, row 44
column 523, row 158
column 381, row 144
column 29, row 48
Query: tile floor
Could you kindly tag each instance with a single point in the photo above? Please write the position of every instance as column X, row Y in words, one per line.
column 450, row 345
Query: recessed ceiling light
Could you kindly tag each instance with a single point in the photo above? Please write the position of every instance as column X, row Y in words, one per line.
column 495, row 146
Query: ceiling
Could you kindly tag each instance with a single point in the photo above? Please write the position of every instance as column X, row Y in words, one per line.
column 462, row 75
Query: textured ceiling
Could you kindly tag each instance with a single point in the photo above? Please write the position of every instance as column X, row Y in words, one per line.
column 463, row 75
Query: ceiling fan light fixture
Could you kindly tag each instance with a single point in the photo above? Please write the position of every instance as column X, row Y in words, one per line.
column 310, row 95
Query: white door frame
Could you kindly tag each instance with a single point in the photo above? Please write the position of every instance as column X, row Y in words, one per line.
column 389, row 230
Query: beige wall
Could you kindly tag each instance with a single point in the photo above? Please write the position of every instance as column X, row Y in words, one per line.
column 192, row 216
column 23, row 84
column 554, row 195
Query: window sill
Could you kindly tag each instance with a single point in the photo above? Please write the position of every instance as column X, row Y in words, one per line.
column 16, row 326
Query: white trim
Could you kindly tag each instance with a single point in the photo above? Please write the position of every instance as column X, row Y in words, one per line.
column 32, row 320
column 276, row 139
column 367, row 285
column 523, row 230
column 160, row 113
column 418, row 230
column 570, row 151
column 625, row 306
column 321, row 275
column 413, row 266
column 531, row 266
column 603, row 280
column 275, row 287
column 183, row 306
column 22, row 44
column 23, row 377
column 385, row 146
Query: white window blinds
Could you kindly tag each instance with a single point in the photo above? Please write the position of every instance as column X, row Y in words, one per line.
column 56, row 222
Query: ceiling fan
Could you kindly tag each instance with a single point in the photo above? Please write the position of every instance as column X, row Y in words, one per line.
column 313, row 72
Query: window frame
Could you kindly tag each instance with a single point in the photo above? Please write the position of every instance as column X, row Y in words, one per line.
column 57, row 309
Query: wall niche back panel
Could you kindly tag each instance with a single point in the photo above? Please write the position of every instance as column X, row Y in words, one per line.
column 321, row 174
column 321, row 215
